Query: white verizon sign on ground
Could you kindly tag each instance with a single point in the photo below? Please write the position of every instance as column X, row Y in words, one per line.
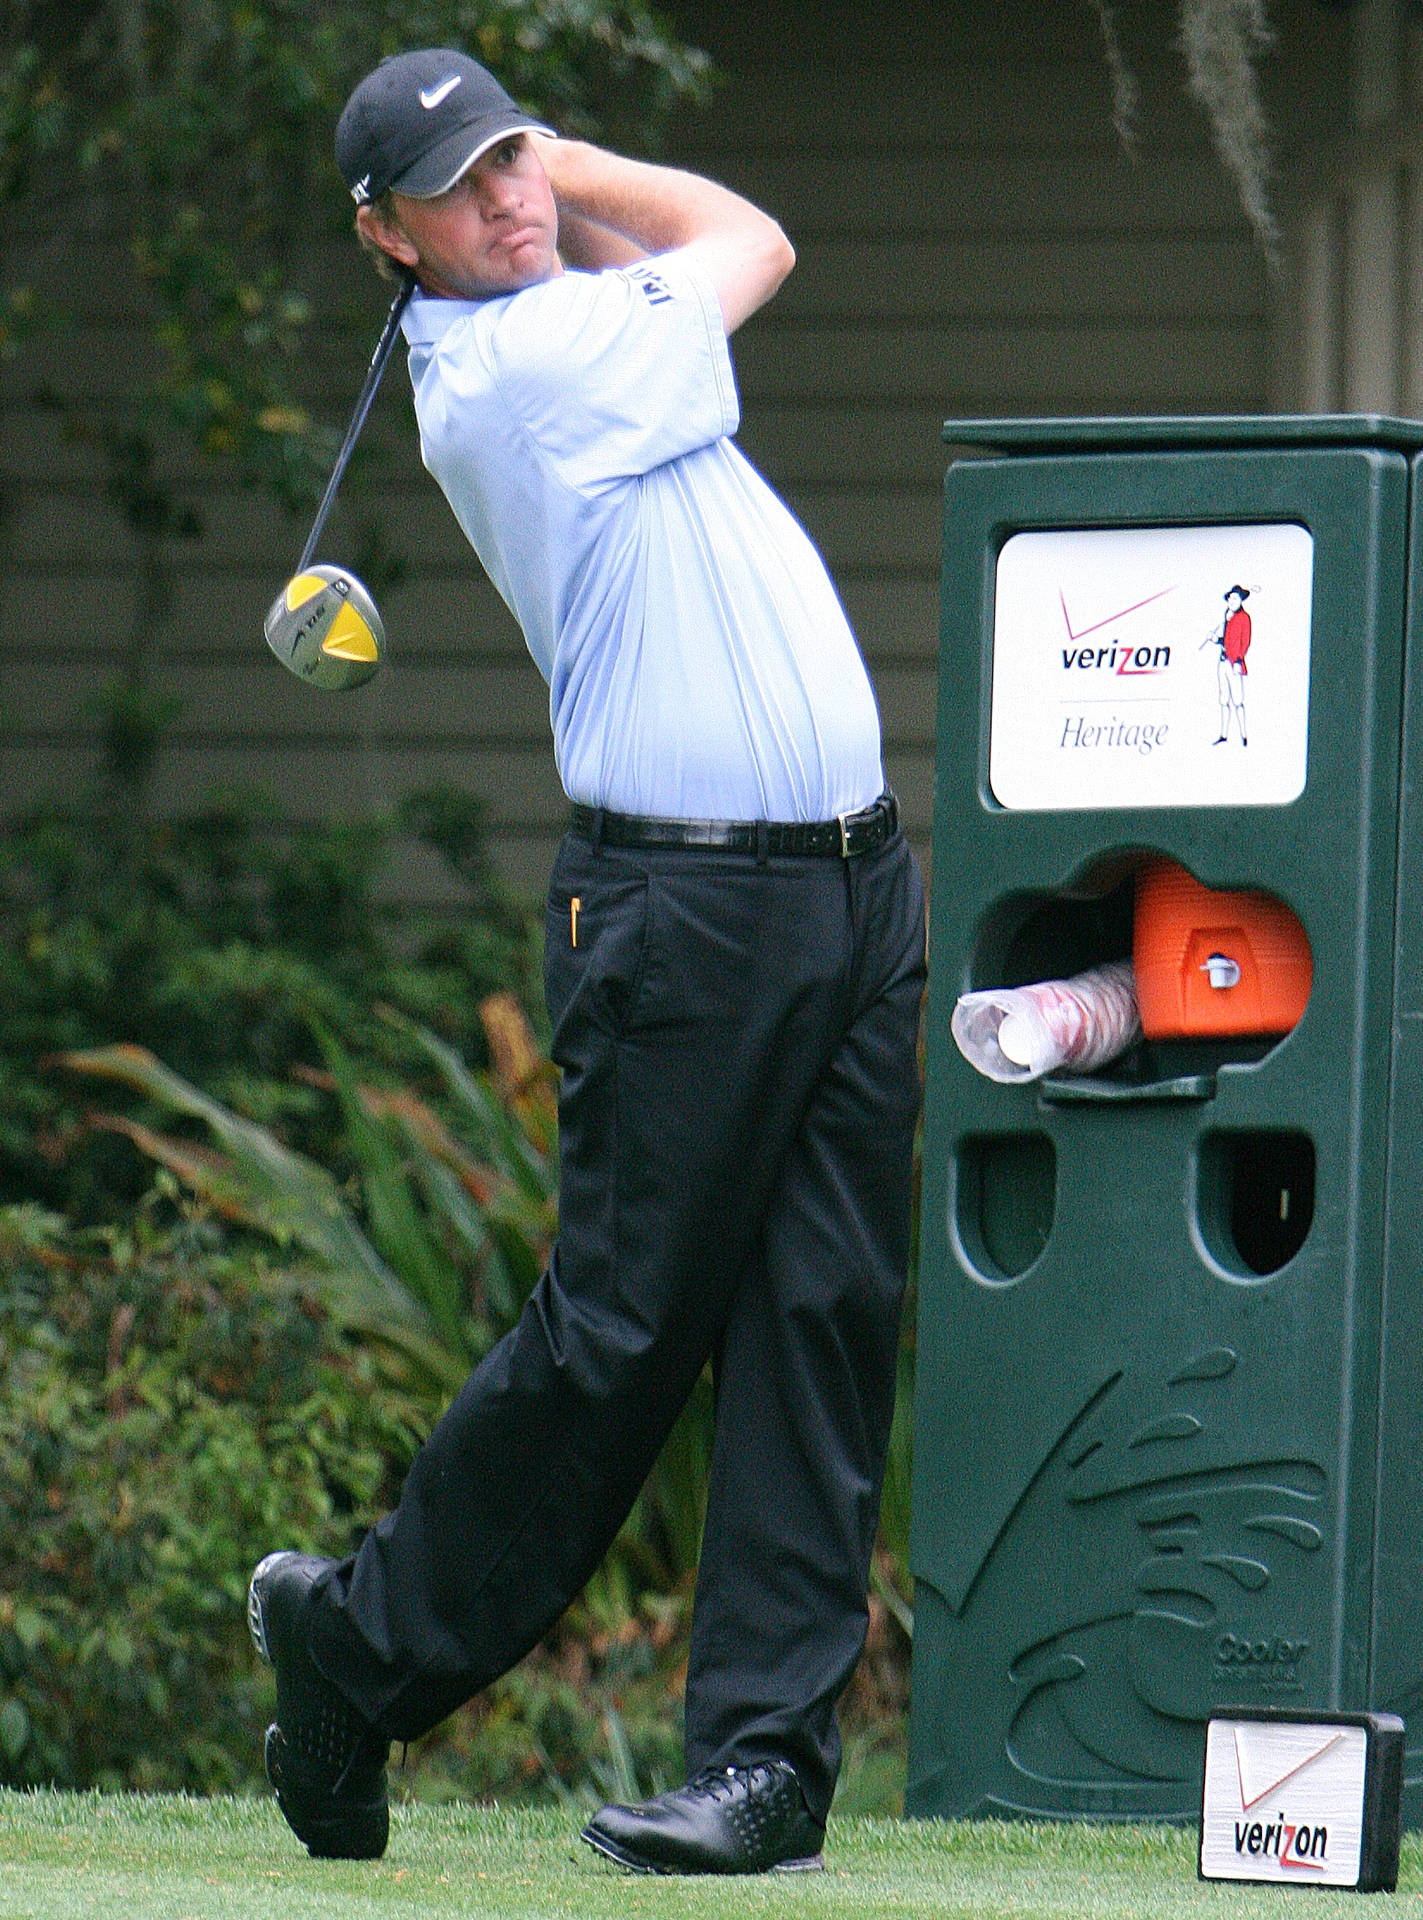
column 1152, row 667
column 1314, row 1801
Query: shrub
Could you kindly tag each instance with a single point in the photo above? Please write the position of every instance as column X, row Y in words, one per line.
column 216, row 941
column 457, row 1214
column 170, row 1409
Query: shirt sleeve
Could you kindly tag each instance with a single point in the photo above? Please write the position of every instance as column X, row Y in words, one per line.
column 611, row 374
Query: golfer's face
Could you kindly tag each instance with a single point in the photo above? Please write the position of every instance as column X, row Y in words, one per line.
column 494, row 231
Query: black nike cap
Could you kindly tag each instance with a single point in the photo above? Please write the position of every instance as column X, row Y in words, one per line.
column 420, row 120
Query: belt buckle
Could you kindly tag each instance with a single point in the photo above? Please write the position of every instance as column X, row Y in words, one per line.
column 844, row 820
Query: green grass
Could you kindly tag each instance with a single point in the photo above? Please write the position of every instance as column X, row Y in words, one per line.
column 162, row 1858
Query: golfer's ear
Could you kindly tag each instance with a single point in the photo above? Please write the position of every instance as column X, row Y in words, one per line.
column 373, row 226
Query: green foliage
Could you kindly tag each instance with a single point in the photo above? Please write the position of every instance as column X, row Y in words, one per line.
column 453, row 1243
column 457, row 1217
column 216, row 941
column 169, row 1408
column 588, row 1717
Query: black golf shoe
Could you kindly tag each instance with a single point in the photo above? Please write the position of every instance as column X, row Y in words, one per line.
column 325, row 1762
column 728, row 1820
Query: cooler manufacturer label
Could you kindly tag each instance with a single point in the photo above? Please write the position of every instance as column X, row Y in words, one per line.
column 1152, row 667
column 1283, row 1802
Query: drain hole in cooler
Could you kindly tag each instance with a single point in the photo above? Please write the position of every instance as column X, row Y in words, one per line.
column 1255, row 1199
column 1005, row 1201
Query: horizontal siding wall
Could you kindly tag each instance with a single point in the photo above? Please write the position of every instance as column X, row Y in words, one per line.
column 971, row 240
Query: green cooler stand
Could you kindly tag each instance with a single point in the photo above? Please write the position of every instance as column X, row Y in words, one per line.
column 1169, row 1407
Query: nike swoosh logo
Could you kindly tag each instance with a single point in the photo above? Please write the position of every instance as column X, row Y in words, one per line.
column 430, row 97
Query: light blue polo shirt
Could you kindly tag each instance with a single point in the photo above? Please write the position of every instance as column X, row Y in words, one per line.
column 698, row 660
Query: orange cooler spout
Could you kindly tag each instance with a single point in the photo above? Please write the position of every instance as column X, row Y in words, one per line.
column 1215, row 963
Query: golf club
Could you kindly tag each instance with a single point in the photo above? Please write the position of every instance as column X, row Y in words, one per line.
column 324, row 625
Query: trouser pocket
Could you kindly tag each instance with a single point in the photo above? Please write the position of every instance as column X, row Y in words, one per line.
column 595, row 942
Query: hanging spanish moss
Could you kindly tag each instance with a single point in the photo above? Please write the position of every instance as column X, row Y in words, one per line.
column 1126, row 98
column 1222, row 40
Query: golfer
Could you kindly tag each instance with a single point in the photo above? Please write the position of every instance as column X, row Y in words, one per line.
column 734, row 966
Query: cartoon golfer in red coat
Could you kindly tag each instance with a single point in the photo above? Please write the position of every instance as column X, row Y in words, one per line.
column 1234, row 643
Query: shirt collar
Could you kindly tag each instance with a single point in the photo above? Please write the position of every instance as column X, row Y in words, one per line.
column 428, row 318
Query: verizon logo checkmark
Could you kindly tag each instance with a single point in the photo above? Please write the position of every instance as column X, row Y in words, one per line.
column 1252, row 1794
column 1074, row 633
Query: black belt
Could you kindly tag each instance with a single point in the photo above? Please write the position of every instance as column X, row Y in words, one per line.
column 845, row 837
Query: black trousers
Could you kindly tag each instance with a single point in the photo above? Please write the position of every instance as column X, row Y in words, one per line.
column 739, row 1092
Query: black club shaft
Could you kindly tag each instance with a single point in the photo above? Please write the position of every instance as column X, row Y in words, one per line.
column 358, row 418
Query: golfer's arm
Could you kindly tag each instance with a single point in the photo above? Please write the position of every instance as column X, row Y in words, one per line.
column 657, row 209
column 588, row 244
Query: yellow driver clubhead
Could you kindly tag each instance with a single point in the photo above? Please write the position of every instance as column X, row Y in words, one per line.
column 326, row 628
